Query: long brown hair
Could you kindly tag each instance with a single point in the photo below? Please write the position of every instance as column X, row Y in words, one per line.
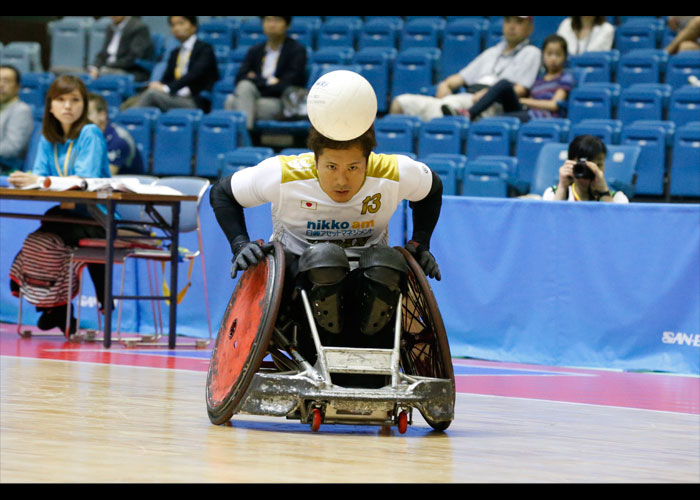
column 51, row 127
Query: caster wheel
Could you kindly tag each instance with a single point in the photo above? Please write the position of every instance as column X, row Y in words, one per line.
column 403, row 422
column 315, row 420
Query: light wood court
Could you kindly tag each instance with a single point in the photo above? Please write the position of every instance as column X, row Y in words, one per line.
column 67, row 421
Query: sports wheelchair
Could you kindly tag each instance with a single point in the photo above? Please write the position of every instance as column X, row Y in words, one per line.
column 256, row 367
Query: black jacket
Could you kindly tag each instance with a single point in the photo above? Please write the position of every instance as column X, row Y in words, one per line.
column 291, row 67
column 135, row 44
column 202, row 73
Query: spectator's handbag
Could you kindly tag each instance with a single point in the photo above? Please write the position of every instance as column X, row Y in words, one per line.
column 294, row 103
column 40, row 271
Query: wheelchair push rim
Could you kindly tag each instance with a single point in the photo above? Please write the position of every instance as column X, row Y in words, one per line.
column 425, row 349
column 244, row 335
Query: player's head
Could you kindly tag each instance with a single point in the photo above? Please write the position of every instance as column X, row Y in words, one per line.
column 341, row 166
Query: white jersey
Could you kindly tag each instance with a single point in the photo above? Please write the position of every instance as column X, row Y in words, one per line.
column 303, row 214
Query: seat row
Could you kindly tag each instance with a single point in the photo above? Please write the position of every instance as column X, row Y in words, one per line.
column 506, row 137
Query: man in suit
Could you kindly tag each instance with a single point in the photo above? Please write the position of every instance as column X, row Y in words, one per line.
column 269, row 69
column 191, row 70
column 126, row 40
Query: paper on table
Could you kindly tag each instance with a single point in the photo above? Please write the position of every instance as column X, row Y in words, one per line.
column 123, row 184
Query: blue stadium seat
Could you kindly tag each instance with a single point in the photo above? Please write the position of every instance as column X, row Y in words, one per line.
column 317, row 70
column 491, row 136
column 379, row 32
column 621, row 168
column 552, row 156
column 221, row 90
column 462, row 43
column 685, row 174
column 593, row 100
column 114, row 88
column 641, row 66
column 682, row 65
column 338, row 32
column 33, row 88
column 636, row 33
column 250, row 33
column 243, row 139
column 607, row 130
column 644, row 101
column 217, row 134
column 396, row 133
column 304, row 30
column 68, row 43
column 449, row 171
column 232, row 161
column 218, row 32
column 422, row 32
column 494, row 33
column 531, row 137
column 375, row 65
column 414, row 71
column 442, row 135
column 332, row 55
column 654, row 138
column 599, row 66
column 18, row 56
column 486, row 179
column 140, row 122
column 173, row 147
column 685, row 105
column 544, row 26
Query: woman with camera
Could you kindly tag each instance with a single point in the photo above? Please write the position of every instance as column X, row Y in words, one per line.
column 582, row 176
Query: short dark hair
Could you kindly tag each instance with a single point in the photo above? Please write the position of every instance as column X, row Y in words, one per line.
column 554, row 38
column 100, row 102
column 287, row 19
column 317, row 142
column 586, row 146
column 191, row 19
column 18, row 75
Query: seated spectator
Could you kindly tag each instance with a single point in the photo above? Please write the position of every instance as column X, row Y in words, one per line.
column 191, row 70
column 513, row 59
column 16, row 121
column 270, row 69
column 70, row 146
column 124, row 156
column 587, row 34
column 688, row 38
column 585, row 181
column 126, row 40
column 544, row 96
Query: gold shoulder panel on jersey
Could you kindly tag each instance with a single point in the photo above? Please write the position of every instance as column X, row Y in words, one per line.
column 298, row 167
column 383, row 166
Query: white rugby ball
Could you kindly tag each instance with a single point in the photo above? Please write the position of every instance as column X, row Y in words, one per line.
column 341, row 105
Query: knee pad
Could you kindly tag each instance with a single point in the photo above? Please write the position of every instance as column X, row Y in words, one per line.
column 384, row 273
column 325, row 266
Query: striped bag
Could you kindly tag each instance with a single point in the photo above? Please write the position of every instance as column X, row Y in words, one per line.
column 40, row 271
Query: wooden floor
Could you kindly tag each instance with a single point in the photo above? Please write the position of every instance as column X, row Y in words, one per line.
column 71, row 420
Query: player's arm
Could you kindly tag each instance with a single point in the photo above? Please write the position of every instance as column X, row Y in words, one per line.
column 229, row 215
column 425, row 214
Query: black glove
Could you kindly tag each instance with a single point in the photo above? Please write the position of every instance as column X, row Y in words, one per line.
column 248, row 254
column 425, row 259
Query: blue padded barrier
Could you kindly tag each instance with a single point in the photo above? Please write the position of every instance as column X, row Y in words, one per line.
column 556, row 283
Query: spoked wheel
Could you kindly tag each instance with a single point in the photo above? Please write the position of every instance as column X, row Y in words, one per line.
column 244, row 335
column 424, row 347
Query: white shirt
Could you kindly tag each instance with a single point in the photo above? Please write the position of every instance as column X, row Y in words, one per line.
column 518, row 66
column 270, row 62
column 600, row 38
column 303, row 214
column 113, row 46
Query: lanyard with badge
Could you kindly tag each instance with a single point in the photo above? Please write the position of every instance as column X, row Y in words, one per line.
column 65, row 162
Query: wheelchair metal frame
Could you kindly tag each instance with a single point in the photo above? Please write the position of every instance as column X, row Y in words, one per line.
column 309, row 395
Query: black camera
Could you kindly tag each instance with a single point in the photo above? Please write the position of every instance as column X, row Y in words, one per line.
column 581, row 170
